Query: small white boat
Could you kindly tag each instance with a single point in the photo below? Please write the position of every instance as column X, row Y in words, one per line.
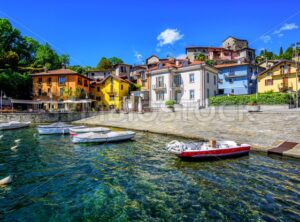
column 75, row 131
column 102, row 138
column 56, row 128
column 14, row 125
column 6, row 180
column 1, row 136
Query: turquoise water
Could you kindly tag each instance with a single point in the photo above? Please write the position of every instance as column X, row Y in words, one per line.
column 55, row 180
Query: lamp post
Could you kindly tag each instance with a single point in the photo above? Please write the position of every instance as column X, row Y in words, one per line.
column 2, row 96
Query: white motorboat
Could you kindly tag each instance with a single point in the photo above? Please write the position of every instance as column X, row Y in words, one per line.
column 14, row 125
column 75, row 131
column 102, row 138
column 56, row 128
column 204, row 150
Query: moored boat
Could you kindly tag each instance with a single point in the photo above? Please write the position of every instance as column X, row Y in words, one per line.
column 75, row 131
column 14, row 125
column 208, row 150
column 103, row 138
column 56, row 128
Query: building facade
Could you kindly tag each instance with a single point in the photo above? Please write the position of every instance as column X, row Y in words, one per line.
column 110, row 91
column 237, row 78
column 97, row 75
column 232, row 49
column 281, row 77
column 53, row 83
column 188, row 84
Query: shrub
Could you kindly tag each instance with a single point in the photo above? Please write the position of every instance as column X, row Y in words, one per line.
column 263, row 99
column 170, row 103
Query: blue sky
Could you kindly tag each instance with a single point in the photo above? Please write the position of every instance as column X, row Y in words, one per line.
column 134, row 30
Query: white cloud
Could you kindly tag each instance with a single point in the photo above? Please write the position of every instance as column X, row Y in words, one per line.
column 181, row 56
column 169, row 36
column 265, row 38
column 138, row 56
column 285, row 27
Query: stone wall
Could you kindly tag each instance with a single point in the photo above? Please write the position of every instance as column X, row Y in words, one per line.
column 46, row 117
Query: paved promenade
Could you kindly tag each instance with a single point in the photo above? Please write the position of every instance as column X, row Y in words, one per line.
column 262, row 130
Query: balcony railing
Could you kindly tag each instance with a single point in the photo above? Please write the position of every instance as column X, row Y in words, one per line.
column 176, row 85
column 285, row 87
column 234, row 75
column 158, row 87
column 112, row 93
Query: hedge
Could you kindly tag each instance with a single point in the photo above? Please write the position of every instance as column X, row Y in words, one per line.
column 262, row 99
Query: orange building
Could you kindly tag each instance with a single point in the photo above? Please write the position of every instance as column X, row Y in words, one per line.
column 59, row 85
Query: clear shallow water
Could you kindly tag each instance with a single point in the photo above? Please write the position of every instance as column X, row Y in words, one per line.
column 55, row 180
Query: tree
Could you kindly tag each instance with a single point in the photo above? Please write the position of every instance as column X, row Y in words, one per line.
column 104, row 64
column 45, row 54
column 280, row 56
column 64, row 59
column 115, row 61
column 288, row 54
column 200, row 57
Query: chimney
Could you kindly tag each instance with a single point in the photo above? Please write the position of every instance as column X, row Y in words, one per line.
column 45, row 69
column 63, row 66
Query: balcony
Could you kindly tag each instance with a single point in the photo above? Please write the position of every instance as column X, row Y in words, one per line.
column 112, row 93
column 159, row 87
column 283, row 87
column 233, row 75
column 177, row 86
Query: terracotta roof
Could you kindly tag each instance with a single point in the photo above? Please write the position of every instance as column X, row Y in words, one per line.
column 115, row 77
column 275, row 65
column 58, row 72
column 230, row 65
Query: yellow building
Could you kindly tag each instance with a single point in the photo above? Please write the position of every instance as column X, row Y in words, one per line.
column 59, row 85
column 110, row 91
column 281, row 77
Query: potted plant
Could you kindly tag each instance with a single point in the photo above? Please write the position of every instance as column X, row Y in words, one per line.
column 170, row 106
column 252, row 105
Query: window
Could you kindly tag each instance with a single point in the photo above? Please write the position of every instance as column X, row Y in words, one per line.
column 40, row 80
column 61, row 80
column 232, row 91
column 230, row 80
column 98, row 89
column 160, row 81
column 268, row 82
column 49, row 90
column 207, row 77
column 160, row 96
column 185, row 63
column 143, row 83
column 215, row 80
column 40, row 92
column 122, row 87
column 86, row 83
column 160, row 65
column 207, row 92
column 61, row 91
column 79, row 81
column 98, row 98
column 215, row 93
column 192, row 94
column 192, row 77
column 143, row 76
column 49, row 81
column 111, row 97
column 92, row 74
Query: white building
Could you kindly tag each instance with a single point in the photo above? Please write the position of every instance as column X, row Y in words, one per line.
column 188, row 84
column 97, row 75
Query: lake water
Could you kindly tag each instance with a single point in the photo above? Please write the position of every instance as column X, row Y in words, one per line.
column 55, row 180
